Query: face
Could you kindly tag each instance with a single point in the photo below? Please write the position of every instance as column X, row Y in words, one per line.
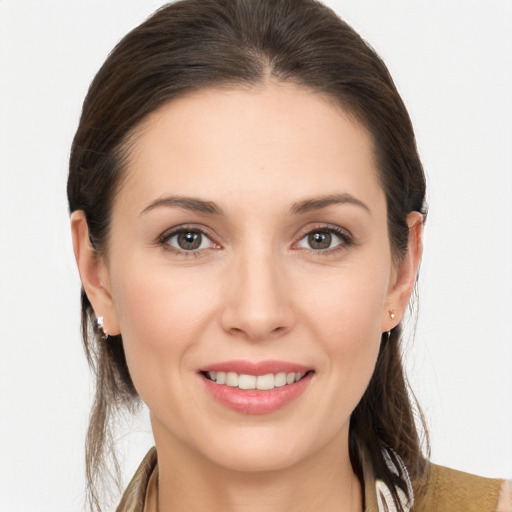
column 249, row 273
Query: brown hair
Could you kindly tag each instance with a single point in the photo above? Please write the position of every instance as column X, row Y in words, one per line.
column 193, row 44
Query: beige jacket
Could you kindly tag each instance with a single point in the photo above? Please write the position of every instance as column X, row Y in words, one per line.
column 447, row 490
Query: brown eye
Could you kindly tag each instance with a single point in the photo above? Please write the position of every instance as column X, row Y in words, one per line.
column 325, row 240
column 188, row 240
column 320, row 240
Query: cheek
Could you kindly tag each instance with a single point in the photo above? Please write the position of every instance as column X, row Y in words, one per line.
column 159, row 305
column 344, row 316
column 161, row 316
column 346, row 307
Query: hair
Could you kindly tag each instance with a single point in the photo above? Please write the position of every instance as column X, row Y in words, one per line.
column 194, row 44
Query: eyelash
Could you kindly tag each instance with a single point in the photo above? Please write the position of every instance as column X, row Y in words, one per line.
column 346, row 240
column 164, row 239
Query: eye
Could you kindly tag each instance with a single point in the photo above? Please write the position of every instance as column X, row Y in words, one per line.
column 188, row 240
column 324, row 239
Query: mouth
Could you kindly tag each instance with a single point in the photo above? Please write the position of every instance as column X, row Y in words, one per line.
column 246, row 381
column 256, row 388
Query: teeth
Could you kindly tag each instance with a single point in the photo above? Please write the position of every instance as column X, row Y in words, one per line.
column 247, row 381
column 280, row 380
column 260, row 382
column 232, row 379
column 265, row 382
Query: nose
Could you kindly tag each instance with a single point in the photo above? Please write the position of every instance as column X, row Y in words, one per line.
column 257, row 303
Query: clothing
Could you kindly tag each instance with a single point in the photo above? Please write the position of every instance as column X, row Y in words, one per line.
column 447, row 490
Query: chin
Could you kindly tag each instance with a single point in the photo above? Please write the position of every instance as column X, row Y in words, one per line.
column 259, row 452
column 252, row 461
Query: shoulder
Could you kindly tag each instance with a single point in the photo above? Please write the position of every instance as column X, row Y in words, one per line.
column 446, row 489
column 136, row 494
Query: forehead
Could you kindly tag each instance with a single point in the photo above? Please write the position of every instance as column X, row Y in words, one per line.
column 275, row 136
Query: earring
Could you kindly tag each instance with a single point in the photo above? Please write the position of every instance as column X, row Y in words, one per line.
column 392, row 316
column 99, row 323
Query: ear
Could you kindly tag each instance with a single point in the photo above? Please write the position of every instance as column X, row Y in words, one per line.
column 404, row 275
column 93, row 274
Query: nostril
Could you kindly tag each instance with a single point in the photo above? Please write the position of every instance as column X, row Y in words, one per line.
column 250, row 316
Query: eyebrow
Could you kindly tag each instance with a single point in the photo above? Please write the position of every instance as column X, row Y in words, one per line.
column 209, row 207
column 317, row 203
column 188, row 203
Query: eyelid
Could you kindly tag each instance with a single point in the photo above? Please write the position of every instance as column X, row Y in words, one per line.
column 164, row 238
column 347, row 239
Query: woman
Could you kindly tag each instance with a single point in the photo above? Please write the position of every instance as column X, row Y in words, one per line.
column 247, row 208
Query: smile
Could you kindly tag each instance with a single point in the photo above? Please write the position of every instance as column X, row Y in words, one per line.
column 256, row 387
column 258, row 382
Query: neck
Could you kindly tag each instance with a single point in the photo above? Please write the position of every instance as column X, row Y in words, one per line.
column 189, row 482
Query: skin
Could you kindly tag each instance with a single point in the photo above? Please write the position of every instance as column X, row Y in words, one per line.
column 255, row 290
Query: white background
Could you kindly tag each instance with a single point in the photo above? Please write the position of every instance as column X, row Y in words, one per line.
column 452, row 62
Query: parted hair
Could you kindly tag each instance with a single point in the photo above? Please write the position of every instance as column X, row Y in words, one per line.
column 193, row 44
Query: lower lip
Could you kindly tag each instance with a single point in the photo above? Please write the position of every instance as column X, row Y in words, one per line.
column 257, row 402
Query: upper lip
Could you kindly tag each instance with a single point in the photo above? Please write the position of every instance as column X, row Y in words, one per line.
column 256, row 368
